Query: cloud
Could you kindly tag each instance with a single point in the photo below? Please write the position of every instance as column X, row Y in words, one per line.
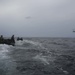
column 45, row 16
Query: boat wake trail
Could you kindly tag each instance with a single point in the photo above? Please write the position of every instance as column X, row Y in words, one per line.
column 7, row 66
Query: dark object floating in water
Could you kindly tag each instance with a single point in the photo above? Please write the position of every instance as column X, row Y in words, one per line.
column 19, row 39
column 10, row 41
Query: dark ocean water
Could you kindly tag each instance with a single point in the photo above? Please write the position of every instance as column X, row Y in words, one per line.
column 38, row 56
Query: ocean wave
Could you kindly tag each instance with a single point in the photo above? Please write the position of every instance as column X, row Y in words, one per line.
column 29, row 43
column 19, row 43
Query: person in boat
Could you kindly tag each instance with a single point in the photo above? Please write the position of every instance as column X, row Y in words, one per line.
column 1, row 39
column 13, row 39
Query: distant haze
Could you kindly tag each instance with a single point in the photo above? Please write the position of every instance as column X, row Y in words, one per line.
column 37, row 18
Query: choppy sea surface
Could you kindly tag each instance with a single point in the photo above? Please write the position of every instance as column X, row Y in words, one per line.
column 38, row 56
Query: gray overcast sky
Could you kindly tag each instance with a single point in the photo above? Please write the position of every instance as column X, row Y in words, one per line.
column 37, row 18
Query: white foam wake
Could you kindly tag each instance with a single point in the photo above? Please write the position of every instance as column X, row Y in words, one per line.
column 3, row 51
column 19, row 43
column 34, row 43
column 27, row 41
